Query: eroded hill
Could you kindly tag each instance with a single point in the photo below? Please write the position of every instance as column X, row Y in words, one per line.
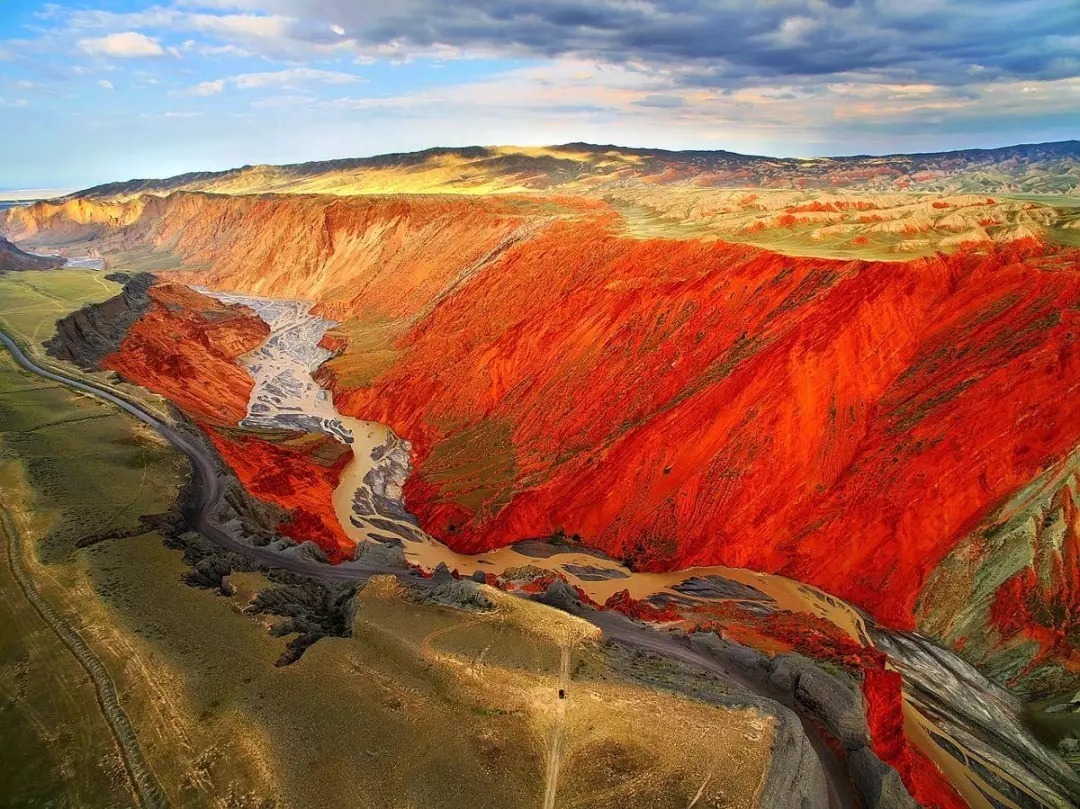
column 863, row 426
column 12, row 258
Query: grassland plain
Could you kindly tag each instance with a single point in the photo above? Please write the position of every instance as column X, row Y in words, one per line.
column 32, row 301
column 58, row 749
column 72, row 470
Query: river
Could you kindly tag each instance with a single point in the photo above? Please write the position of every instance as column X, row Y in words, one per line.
column 369, row 505
column 368, row 499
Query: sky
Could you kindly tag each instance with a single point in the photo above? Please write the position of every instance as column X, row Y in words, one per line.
column 99, row 90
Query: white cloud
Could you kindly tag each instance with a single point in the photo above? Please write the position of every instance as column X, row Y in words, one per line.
column 208, row 88
column 292, row 77
column 240, row 25
column 793, row 32
column 170, row 114
column 284, row 102
column 782, row 76
column 105, row 84
column 215, row 50
column 126, row 45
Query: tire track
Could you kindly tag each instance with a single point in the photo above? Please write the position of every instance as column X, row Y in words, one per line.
column 144, row 784
column 558, row 738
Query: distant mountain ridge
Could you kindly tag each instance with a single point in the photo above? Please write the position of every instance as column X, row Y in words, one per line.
column 1042, row 168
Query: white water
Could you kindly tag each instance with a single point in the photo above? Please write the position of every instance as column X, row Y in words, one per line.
column 86, row 263
column 285, row 395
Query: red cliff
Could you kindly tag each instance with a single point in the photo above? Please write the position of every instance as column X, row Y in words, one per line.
column 186, row 348
column 679, row 403
column 847, row 423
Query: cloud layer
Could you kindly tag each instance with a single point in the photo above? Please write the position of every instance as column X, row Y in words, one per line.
column 707, row 42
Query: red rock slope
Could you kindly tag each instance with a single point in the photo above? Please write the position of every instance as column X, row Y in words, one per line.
column 674, row 402
column 186, row 348
column 293, row 476
column 678, row 403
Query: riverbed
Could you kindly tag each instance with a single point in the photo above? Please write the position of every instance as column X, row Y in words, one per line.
column 368, row 500
column 369, row 505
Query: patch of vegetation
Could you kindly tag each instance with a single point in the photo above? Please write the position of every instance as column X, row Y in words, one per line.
column 370, row 351
column 475, row 466
column 31, row 302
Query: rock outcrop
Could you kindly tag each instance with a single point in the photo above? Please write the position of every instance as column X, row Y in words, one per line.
column 12, row 258
column 1009, row 593
column 185, row 347
column 296, row 474
column 87, row 336
column 877, row 783
column 168, row 339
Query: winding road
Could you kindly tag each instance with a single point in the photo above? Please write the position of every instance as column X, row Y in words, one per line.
column 208, row 489
column 206, row 479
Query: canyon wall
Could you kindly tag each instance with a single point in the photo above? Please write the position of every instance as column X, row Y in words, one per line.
column 678, row 403
column 868, row 427
column 12, row 258
column 358, row 257
column 185, row 347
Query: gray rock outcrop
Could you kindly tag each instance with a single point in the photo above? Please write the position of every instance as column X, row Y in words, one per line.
column 85, row 337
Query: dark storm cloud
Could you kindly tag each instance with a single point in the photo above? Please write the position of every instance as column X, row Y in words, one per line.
column 720, row 42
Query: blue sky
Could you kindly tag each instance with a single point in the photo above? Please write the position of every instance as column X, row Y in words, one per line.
column 99, row 90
